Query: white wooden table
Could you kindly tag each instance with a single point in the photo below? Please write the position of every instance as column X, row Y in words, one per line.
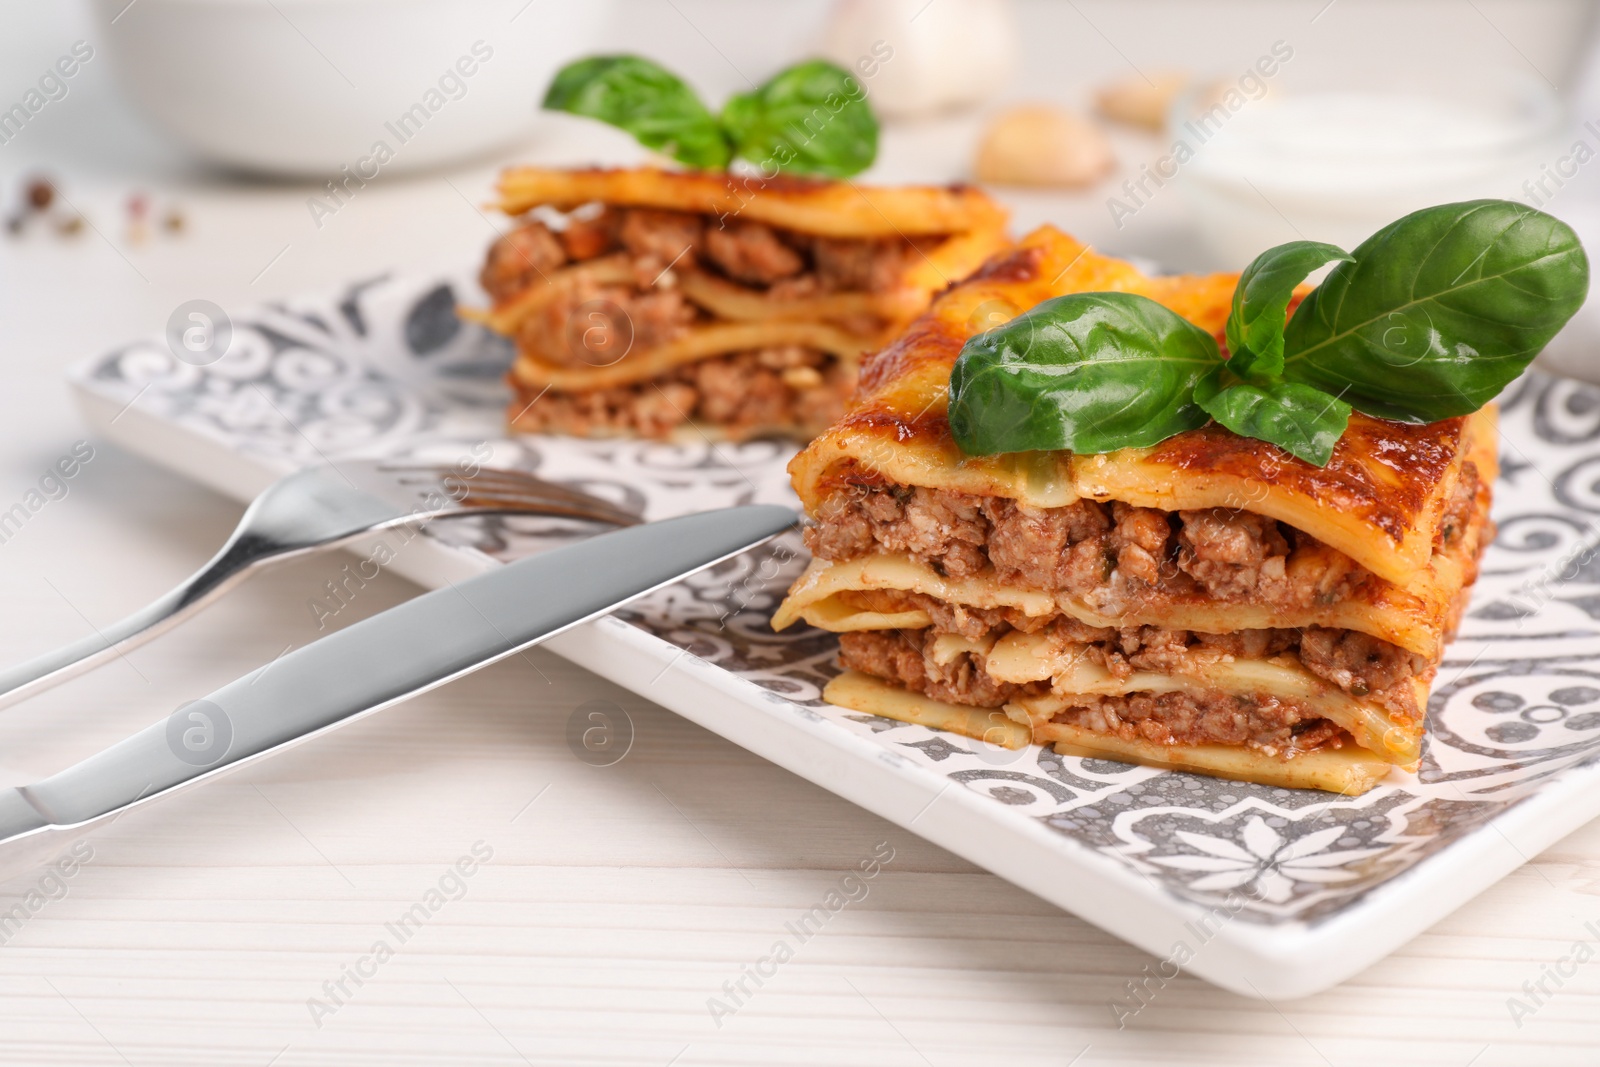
column 615, row 902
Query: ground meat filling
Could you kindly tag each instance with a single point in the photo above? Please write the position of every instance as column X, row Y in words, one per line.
column 751, row 253
column 1263, row 722
column 518, row 260
column 743, row 393
column 587, row 322
column 1277, row 727
column 627, row 298
column 1068, row 548
column 873, row 266
column 1360, row 665
column 658, row 238
column 1118, row 552
column 1231, row 553
column 902, row 656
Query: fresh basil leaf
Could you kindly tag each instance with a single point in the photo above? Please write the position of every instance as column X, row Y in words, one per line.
column 1261, row 302
column 648, row 101
column 810, row 119
column 1299, row 419
column 1439, row 311
column 1090, row 372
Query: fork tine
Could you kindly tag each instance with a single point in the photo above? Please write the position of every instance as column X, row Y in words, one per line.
column 506, row 477
column 553, row 494
column 535, row 492
column 426, row 472
column 588, row 512
column 512, row 490
column 447, row 476
column 516, row 482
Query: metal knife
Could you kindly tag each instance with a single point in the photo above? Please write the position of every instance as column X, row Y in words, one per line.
column 374, row 663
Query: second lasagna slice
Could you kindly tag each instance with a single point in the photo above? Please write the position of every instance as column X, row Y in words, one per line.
column 1208, row 602
column 645, row 301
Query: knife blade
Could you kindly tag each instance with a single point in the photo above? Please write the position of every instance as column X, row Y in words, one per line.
column 380, row 661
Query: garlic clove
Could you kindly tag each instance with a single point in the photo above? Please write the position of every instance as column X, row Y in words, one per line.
column 1139, row 100
column 1041, row 144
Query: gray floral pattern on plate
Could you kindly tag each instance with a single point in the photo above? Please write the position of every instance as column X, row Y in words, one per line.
column 386, row 369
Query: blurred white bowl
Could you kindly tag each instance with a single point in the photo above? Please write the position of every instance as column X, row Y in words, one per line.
column 304, row 87
column 1337, row 164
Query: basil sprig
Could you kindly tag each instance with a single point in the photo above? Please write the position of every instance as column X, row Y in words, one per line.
column 1248, row 393
column 1299, row 419
column 1119, row 371
column 1430, row 317
column 814, row 112
column 648, row 101
column 812, row 118
column 1439, row 311
column 1261, row 302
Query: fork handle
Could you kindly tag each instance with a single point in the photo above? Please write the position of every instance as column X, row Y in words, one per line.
column 224, row 569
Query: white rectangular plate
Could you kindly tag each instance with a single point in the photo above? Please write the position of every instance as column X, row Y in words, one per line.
column 1261, row 890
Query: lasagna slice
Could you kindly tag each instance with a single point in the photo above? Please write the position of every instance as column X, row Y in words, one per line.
column 643, row 301
column 1210, row 603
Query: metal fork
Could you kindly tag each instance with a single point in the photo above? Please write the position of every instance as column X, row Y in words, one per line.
column 310, row 510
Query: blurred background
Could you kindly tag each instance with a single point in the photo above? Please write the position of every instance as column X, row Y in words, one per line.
column 191, row 144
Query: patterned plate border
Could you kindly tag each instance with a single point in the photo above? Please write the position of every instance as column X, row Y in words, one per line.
column 384, row 368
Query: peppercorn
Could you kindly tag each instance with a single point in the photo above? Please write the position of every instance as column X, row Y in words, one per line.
column 41, row 194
